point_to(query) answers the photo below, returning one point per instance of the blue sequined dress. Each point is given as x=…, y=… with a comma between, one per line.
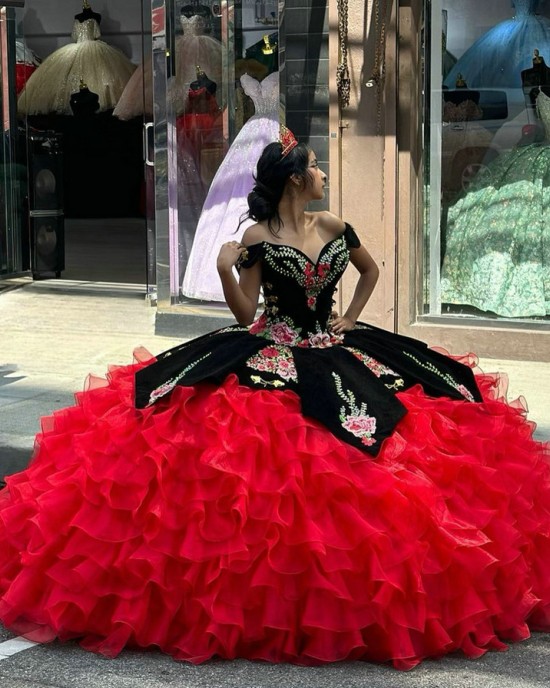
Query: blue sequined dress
x=497, y=59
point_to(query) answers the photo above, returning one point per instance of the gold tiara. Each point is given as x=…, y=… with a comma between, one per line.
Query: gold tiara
x=287, y=140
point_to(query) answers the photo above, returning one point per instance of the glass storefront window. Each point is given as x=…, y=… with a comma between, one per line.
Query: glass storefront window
x=487, y=160
x=221, y=89
x=235, y=70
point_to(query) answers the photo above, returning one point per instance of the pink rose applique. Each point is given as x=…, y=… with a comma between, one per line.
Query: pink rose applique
x=283, y=334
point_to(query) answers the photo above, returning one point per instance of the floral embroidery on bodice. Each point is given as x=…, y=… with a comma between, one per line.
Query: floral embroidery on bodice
x=298, y=293
x=348, y=382
x=87, y=30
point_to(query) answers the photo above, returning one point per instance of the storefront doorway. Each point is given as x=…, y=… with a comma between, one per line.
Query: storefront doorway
x=85, y=212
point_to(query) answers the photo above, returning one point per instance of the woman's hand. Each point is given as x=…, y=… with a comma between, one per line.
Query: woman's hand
x=229, y=255
x=341, y=323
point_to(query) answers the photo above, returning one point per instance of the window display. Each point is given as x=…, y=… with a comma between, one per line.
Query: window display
x=226, y=201
x=215, y=133
x=497, y=254
x=487, y=154
x=497, y=58
x=264, y=71
x=105, y=69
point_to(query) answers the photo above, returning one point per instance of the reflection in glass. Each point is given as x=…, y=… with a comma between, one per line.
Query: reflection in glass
x=487, y=238
x=230, y=114
x=226, y=201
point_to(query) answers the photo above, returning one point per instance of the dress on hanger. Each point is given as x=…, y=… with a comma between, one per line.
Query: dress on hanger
x=102, y=67
x=497, y=58
x=227, y=197
x=497, y=255
x=277, y=492
x=193, y=48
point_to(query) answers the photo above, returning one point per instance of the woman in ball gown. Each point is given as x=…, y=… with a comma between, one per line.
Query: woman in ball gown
x=105, y=69
x=497, y=58
x=497, y=255
x=226, y=200
x=302, y=487
x=194, y=47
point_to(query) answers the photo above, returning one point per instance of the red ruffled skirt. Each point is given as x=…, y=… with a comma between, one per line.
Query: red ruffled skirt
x=221, y=522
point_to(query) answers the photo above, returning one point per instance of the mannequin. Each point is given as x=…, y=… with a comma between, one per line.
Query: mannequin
x=202, y=111
x=200, y=125
x=194, y=9
x=538, y=74
x=87, y=13
x=244, y=106
x=84, y=102
x=200, y=142
x=202, y=81
x=193, y=47
x=227, y=196
x=104, y=68
x=266, y=51
x=495, y=60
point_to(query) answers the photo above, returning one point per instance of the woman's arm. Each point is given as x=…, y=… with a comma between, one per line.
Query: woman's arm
x=242, y=296
x=368, y=276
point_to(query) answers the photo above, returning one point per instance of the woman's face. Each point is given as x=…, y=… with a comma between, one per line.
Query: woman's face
x=317, y=178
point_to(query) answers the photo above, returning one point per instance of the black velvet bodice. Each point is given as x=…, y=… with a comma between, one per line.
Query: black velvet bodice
x=349, y=382
x=297, y=291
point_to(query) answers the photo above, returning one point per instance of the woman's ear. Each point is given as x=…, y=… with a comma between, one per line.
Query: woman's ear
x=295, y=179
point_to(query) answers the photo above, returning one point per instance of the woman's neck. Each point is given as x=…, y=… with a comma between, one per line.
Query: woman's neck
x=292, y=213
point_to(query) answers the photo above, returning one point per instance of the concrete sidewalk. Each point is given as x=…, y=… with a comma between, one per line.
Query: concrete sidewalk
x=54, y=333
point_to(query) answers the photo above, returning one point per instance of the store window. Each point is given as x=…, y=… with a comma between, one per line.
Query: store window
x=487, y=160
x=236, y=71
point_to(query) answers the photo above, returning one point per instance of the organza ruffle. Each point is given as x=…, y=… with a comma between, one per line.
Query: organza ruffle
x=221, y=522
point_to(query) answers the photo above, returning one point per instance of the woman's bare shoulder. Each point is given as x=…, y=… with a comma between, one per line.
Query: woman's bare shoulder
x=254, y=234
x=328, y=222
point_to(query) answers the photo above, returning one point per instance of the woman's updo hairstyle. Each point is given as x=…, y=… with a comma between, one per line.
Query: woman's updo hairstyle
x=272, y=174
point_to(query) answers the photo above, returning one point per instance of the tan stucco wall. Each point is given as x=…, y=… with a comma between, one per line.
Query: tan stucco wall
x=363, y=194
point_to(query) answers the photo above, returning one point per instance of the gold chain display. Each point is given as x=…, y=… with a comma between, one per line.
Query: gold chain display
x=379, y=67
x=343, y=82
x=378, y=77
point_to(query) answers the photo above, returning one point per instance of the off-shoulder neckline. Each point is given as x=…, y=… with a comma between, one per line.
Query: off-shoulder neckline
x=294, y=248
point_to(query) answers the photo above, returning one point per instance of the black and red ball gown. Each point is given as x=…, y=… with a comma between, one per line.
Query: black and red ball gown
x=277, y=492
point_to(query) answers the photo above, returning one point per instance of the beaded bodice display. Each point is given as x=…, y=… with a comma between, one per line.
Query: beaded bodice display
x=194, y=26
x=264, y=94
x=87, y=30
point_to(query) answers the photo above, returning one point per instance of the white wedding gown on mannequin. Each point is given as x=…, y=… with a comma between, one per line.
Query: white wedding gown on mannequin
x=227, y=197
